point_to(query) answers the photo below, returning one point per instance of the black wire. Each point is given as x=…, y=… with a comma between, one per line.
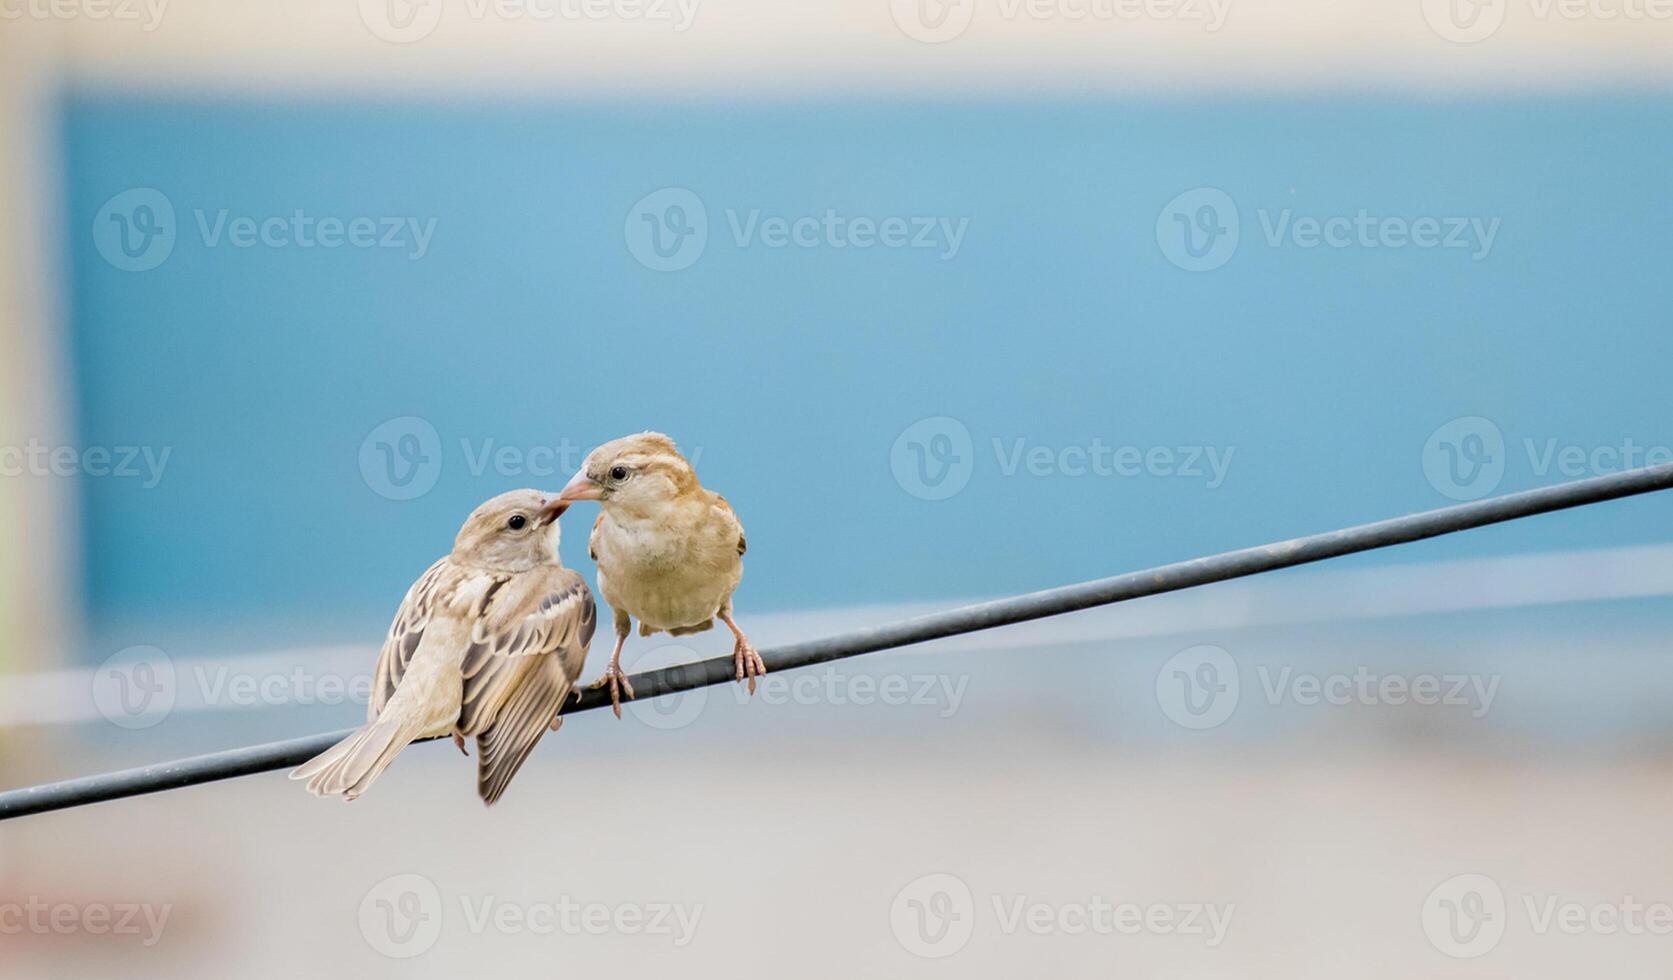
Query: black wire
x=968, y=619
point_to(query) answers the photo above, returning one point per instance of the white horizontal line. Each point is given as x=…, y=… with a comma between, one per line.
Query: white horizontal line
x=1305, y=596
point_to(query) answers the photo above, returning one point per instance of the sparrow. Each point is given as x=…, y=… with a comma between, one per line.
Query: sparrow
x=669, y=552
x=488, y=643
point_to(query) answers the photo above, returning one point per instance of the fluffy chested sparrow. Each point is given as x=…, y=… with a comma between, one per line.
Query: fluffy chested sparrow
x=488, y=643
x=669, y=552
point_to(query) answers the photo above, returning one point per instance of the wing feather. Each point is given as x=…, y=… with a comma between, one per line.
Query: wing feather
x=529, y=714
x=407, y=632
x=731, y=518
x=561, y=621
x=517, y=681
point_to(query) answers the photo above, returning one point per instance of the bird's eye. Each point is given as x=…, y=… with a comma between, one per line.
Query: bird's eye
x=517, y=522
x=618, y=473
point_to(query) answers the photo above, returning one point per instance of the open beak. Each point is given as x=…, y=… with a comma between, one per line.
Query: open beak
x=580, y=487
x=553, y=510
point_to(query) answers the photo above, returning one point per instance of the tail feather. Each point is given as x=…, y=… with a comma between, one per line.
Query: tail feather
x=349, y=767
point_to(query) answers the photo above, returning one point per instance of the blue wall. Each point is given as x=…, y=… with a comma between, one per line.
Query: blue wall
x=530, y=322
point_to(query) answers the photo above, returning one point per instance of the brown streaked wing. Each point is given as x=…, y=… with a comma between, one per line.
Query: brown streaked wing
x=559, y=622
x=406, y=633
x=532, y=709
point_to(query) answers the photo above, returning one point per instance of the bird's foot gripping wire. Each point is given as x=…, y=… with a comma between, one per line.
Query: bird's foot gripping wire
x=616, y=680
x=747, y=663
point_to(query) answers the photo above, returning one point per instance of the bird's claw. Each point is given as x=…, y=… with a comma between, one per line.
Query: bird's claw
x=615, y=679
x=747, y=663
x=459, y=740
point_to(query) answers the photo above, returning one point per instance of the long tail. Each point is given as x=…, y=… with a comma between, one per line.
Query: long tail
x=348, y=767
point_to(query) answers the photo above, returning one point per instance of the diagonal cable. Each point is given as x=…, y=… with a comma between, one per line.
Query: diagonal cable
x=966, y=619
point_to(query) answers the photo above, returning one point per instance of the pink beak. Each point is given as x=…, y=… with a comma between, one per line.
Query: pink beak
x=553, y=510
x=580, y=487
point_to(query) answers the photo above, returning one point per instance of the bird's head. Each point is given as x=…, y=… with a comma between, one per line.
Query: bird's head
x=513, y=532
x=635, y=474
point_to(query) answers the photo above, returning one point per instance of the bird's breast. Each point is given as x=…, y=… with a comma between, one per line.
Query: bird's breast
x=664, y=580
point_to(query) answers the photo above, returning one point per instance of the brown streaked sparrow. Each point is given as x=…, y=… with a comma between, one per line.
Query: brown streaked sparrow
x=487, y=643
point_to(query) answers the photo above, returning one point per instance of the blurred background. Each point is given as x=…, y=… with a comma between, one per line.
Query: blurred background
x=952, y=299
